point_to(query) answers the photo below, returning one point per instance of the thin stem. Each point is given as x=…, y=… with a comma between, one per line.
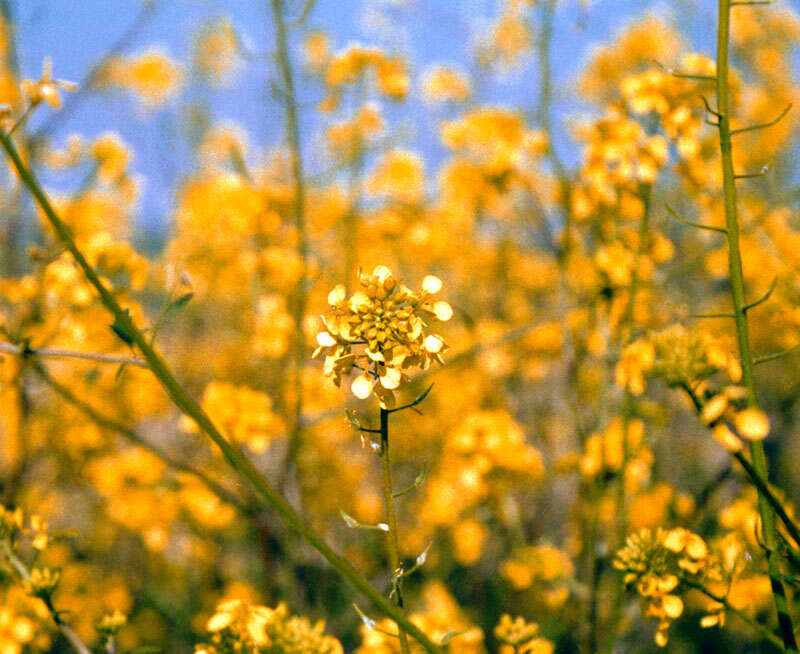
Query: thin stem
x=391, y=520
x=299, y=210
x=189, y=406
x=24, y=351
x=729, y=608
x=130, y=434
x=740, y=315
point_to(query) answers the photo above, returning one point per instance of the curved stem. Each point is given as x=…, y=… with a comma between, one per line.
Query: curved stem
x=190, y=407
x=391, y=520
x=740, y=316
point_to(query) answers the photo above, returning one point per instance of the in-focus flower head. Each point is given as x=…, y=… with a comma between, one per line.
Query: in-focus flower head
x=381, y=330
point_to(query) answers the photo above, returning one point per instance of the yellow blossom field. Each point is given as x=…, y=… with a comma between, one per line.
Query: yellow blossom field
x=352, y=350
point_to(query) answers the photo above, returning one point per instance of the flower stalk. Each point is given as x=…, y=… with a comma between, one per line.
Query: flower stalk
x=190, y=407
x=766, y=511
x=391, y=519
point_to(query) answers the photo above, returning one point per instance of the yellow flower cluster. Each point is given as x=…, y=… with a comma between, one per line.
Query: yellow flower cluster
x=482, y=457
x=724, y=411
x=216, y=52
x=656, y=562
x=619, y=156
x=242, y=413
x=606, y=451
x=348, y=139
x=445, y=84
x=545, y=566
x=494, y=138
x=399, y=176
x=517, y=636
x=240, y=628
x=355, y=64
x=152, y=75
x=381, y=331
x=681, y=356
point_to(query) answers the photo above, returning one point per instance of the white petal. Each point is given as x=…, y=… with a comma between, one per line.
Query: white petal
x=433, y=344
x=336, y=296
x=431, y=284
x=362, y=386
x=391, y=378
x=381, y=272
x=443, y=311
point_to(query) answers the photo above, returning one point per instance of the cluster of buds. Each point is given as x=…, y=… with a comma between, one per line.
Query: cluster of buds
x=42, y=582
x=656, y=562
x=239, y=627
x=381, y=331
x=730, y=423
x=517, y=635
x=110, y=624
x=683, y=357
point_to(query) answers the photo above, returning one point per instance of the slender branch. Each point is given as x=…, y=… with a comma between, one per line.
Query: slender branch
x=43, y=352
x=674, y=73
x=680, y=218
x=130, y=434
x=776, y=355
x=189, y=406
x=299, y=210
x=391, y=519
x=711, y=315
x=751, y=128
x=757, y=453
x=763, y=298
x=729, y=608
x=413, y=403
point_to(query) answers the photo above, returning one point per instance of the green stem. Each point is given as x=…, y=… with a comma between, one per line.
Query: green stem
x=189, y=406
x=737, y=292
x=130, y=434
x=391, y=519
x=762, y=631
x=299, y=209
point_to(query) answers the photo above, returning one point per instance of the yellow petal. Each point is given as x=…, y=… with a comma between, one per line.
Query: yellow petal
x=714, y=409
x=324, y=339
x=673, y=606
x=391, y=378
x=752, y=423
x=727, y=438
x=336, y=296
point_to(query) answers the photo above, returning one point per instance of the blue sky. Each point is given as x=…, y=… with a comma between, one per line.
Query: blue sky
x=76, y=33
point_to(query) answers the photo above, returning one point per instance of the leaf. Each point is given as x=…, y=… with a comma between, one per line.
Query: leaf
x=121, y=330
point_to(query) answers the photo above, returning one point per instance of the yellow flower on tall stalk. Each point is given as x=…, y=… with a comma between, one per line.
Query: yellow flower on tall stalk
x=382, y=330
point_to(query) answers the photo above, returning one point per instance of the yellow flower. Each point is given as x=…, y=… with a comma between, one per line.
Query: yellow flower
x=380, y=330
x=752, y=424
x=46, y=89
